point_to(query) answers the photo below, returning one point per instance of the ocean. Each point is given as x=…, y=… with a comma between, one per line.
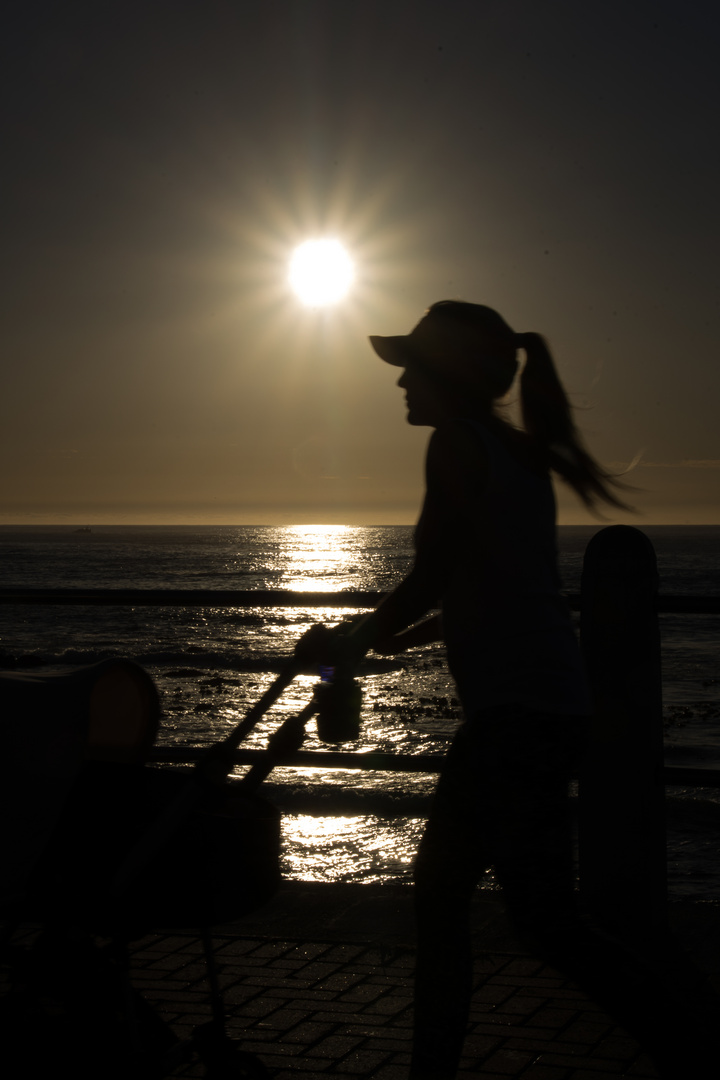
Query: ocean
x=211, y=664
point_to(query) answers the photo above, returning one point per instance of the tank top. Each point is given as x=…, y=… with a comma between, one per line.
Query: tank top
x=507, y=628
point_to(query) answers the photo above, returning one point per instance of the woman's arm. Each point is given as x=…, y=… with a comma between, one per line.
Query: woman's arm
x=422, y=590
x=417, y=594
x=426, y=632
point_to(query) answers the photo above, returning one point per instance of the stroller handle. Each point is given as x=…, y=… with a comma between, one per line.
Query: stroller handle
x=212, y=771
x=258, y=710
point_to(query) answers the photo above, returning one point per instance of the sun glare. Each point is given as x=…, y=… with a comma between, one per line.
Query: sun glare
x=321, y=272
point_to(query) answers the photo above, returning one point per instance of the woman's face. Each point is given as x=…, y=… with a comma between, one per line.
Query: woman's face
x=432, y=400
x=422, y=397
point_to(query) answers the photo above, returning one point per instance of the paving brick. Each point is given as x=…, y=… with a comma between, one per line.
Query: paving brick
x=406, y=1015
x=271, y=949
x=236, y=946
x=553, y=1018
x=377, y=1030
x=547, y=1043
x=309, y=1032
x=283, y=1019
x=497, y=1016
x=480, y=1046
x=335, y=1046
x=345, y=1012
x=537, y=1071
x=167, y=943
x=296, y=990
x=175, y=997
x=253, y=1006
x=587, y=1031
x=375, y=957
x=340, y=981
x=284, y=1074
x=193, y=972
x=527, y=1033
x=165, y=963
x=309, y=950
x=344, y=954
x=523, y=967
x=508, y=1062
x=360, y=1061
x=262, y=1047
x=487, y=965
x=472, y=1075
x=390, y=978
x=316, y=970
x=276, y=979
x=492, y=994
x=389, y=1046
x=614, y=1067
x=391, y=1072
x=363, y=992
x=593, y=1074
x=307, y=1065
x=287, y=966
x=523, y=1003
x=390, y=1004
x=573, y=996
x=232, y=968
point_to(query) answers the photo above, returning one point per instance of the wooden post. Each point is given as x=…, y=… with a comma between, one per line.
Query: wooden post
x=623, y=872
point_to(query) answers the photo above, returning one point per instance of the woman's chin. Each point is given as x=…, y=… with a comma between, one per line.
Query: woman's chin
x=418, y=418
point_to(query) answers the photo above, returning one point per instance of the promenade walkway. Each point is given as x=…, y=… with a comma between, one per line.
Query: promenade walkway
x=319, y=984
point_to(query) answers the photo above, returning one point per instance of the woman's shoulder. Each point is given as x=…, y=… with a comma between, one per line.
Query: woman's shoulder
x=477, y=443
x=482, y=437
x=458, y=461
x=463, y=432
x=457, y=441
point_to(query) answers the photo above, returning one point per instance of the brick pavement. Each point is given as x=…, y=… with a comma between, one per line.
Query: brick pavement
x=338, y=1009
x=319, y=983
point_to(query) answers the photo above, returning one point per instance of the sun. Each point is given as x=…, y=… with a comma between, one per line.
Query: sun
x=321, y=272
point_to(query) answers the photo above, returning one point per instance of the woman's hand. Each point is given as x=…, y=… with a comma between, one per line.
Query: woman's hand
x=317, y=646
x=332, y=646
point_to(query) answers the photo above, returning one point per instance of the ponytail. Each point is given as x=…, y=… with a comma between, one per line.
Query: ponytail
x=548, y=420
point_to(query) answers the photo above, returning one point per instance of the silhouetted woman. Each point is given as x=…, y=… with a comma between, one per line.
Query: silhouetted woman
x=486, y=556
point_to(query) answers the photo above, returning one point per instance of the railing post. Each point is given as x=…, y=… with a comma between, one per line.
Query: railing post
x=622, y=843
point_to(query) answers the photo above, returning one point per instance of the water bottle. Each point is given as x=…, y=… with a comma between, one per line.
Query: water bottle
x=339, y=700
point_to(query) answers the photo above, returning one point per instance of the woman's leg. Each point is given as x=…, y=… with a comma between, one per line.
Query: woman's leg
x=487, y=811
x=533, y=756
x=449, y=864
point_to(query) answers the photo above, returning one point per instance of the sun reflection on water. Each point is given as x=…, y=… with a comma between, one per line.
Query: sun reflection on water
x=318, y=557
x=370, y=849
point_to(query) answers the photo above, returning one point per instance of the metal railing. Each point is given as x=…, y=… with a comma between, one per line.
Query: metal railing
x=267, y=598
x=621, y=787
x=276, y=598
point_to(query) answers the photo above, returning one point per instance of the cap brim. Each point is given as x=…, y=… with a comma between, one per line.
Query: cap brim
x=393, y=350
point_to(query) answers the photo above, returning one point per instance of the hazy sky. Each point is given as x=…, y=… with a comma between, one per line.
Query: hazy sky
x=557, y=160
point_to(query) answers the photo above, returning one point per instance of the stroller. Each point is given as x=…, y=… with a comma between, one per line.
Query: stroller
x=105, y=848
